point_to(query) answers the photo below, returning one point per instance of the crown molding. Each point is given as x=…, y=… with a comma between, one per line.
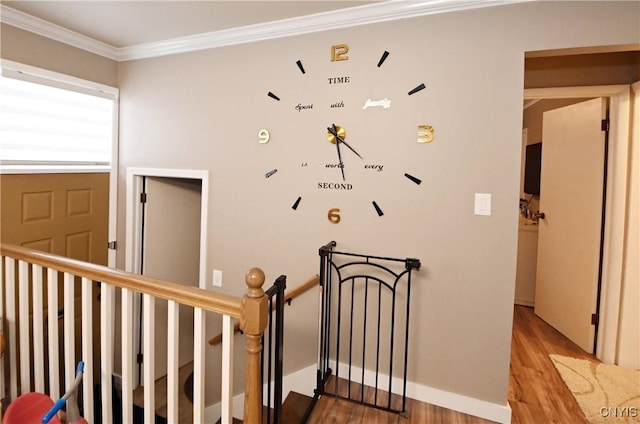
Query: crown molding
x=343, y=18
x=55, y=32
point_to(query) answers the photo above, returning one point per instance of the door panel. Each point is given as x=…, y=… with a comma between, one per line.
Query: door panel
x=571, y=194
x=172, y=252
x=63, y=214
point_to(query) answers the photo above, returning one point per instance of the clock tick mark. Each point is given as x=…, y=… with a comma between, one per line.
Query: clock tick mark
x=299, y=63
x=273, y=96
x=414, y=179
x=378, y=210
x=383, y=58
x=270, y=173
x=297, y=202
x=418, y=88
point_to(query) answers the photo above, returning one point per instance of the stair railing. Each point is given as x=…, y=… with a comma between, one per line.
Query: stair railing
x=26, y=274
x=288, y=298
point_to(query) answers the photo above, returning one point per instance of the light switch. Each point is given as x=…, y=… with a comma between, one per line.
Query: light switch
x=217, y=278
x=482, y=204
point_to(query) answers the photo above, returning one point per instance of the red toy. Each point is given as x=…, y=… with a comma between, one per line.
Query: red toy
x=36, y=408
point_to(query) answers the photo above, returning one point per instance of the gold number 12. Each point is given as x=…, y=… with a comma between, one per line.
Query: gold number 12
x=339, y=52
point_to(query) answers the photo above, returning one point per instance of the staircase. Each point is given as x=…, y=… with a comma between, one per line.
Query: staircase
x=185, y=396
x=356, y=275
x=293, y=410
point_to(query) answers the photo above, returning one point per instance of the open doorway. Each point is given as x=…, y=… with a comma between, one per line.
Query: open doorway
x=170, y=250
x=166, y=239
x=555, y=71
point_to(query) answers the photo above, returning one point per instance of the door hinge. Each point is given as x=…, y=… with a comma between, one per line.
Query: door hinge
x=139, y=358
x=143, y=197
x=112, y=245
x=604, y=125
x=595, y=319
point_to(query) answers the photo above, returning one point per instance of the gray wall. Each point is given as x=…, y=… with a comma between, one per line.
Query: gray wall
x=202, y=110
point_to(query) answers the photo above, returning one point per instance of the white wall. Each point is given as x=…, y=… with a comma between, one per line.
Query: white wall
x=628, y=353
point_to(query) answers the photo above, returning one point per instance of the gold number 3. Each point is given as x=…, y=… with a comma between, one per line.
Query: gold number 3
x=334, y=215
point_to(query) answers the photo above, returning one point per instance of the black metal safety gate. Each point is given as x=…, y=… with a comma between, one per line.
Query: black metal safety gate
x=364, y=328
x=273, y=340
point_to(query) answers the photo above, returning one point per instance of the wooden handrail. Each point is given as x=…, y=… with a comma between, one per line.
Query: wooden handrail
x=251, y=310
x=310, y=283
x=186, y=295
x=313, y=281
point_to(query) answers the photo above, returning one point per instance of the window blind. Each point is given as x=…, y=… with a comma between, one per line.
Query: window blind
x=42, y=124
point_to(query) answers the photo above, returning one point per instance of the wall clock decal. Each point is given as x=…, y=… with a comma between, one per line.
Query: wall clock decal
x=329, y=104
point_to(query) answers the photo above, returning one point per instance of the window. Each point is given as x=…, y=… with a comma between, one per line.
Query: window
x=53, y=120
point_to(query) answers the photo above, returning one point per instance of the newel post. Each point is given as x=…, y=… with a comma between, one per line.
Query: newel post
x=253, y=323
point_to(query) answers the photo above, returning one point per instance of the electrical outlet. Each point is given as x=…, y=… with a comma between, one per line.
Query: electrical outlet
x=217, y=278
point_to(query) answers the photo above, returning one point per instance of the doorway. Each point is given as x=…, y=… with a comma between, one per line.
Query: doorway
x=613, y=231
x=170, y=250
x=166, y=239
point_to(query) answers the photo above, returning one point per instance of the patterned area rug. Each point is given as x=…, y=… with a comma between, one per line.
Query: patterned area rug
x=607, y=394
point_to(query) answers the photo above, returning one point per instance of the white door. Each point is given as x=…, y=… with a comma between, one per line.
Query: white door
x=171, y=251
x=571, y=197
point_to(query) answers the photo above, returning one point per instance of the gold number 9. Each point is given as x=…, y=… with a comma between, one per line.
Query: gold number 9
x=334, y=215
x=263, y=136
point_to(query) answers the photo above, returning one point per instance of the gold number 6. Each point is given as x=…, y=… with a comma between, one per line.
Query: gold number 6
x=334, y=215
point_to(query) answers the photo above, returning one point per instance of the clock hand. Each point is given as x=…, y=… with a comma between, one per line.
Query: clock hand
x=339, y=139
x=341, y=165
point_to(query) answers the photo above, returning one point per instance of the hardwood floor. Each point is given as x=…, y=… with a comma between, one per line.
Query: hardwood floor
x=537, y=394
x=333, y=411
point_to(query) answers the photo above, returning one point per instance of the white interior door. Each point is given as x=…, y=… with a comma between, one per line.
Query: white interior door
x=172, y=252
x=571, y=197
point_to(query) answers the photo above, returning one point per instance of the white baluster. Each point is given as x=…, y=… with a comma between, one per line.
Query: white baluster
x=227, y=370
x=54, y=341
x=11, y=338
x=87, y=348
x=23, y=313
x=198, y=365
x=107, y=309
x=38, y=331
x=69, y=331
x=173, y=342
x=148, y=336
x=127, y=356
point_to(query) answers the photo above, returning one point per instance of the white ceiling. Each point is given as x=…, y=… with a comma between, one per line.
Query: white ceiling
x=136, y=29
x=128, y=23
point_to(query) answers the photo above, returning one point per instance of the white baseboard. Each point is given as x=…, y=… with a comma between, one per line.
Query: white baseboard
x=303, y=381
x=455, y=402
x=524, y=302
